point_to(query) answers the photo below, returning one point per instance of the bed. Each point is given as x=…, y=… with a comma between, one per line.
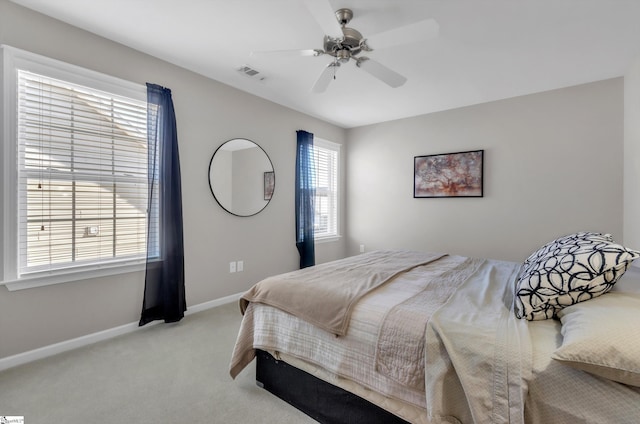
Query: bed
x=424, y=337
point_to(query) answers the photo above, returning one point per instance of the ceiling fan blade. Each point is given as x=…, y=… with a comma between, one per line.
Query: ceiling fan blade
x=282, y=53
x=324, y=14
x=416, y=32
x=381, y=72
x=325, y=77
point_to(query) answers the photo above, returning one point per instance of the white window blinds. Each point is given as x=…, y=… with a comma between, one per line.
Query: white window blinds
x=326, y=157
x=82, y=175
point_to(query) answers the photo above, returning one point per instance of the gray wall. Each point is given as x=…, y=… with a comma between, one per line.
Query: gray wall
x=632, y=156
x=208, y=113
x=553, y=165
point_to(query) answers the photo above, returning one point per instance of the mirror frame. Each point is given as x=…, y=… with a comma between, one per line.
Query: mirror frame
x=211, y=185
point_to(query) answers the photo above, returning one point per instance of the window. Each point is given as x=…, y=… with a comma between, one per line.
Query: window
x=79, y=148
x=327, y=159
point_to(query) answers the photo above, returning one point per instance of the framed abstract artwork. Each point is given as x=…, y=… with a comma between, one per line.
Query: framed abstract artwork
x=448, y=175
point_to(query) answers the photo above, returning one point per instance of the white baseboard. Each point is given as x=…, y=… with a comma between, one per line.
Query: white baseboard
x=54, y=349
x=213, y=303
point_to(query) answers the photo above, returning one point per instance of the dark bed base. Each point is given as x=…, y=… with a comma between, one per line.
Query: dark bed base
x=318, y=399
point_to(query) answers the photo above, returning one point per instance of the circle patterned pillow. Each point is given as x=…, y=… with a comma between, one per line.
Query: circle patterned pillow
x=568, y=270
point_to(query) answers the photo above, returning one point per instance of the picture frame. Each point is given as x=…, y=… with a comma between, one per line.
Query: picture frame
x=457, y=174
x=269, y=184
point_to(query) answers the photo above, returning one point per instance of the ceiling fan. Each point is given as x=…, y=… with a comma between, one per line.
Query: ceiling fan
x=344, y=44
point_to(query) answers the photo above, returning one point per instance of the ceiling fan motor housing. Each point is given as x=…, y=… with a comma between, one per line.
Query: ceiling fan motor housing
x=351, y=43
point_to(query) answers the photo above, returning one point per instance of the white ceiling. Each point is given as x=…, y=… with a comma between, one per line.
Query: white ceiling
x=485, y=50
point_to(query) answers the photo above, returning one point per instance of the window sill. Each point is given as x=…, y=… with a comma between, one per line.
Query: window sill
x=328, y=239
x=50, y=278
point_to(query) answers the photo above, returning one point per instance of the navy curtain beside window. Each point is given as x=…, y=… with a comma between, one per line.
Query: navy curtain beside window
x=305, y=199
x=164, y=294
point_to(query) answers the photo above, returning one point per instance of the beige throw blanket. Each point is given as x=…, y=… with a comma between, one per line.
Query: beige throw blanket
x=324, y=295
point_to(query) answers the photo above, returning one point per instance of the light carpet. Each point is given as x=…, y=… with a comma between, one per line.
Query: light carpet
x=167, y=373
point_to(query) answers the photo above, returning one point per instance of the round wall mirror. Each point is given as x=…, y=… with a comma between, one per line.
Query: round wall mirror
x=241, y=177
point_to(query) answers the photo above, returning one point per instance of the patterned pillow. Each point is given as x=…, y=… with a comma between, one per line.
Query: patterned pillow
x=568, y=270
x=550, y=247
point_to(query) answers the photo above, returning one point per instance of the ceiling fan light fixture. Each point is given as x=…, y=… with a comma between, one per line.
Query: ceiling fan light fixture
x=343, y=55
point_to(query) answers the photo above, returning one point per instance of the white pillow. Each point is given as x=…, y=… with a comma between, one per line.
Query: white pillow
x=569, y=270
x=602, y=337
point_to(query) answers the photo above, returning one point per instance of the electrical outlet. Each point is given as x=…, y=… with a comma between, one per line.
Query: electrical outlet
x=232, y=266
x=240, y=266
x=362, y=248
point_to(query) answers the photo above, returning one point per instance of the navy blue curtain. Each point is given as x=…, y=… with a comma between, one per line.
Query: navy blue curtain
x=164, y=294
x=305, y=199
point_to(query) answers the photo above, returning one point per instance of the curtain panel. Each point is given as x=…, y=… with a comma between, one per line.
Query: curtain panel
x=164, y=291
x=305, y=199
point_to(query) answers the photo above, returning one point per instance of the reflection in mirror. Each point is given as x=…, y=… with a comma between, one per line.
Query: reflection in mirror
x=241, y=177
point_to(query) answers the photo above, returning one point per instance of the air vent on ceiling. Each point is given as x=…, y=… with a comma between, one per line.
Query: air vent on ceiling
x=251, y=73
